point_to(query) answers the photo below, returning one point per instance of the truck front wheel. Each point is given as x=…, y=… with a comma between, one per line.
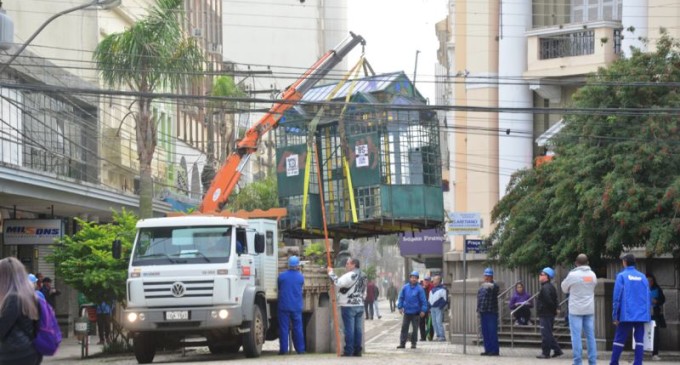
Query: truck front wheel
x=253, y=340
x=144, y=346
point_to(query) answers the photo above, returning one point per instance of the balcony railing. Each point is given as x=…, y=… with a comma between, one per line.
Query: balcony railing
x=567, y=45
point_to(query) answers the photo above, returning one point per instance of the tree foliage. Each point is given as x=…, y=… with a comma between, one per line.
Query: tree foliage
x=261, y=194
x=153, y=53
x=615, y=181
x=84, y=259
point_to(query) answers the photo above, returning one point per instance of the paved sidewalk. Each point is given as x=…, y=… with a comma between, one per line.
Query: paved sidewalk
x=382, y=337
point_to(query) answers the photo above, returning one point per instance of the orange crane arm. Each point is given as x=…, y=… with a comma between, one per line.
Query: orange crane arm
x=228, y=175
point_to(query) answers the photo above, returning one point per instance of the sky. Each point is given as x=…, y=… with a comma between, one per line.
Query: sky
x=394, y=30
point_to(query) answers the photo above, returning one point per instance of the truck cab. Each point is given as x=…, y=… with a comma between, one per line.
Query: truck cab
x=201, y=276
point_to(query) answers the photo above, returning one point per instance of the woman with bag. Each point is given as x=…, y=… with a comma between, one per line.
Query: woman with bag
x=658, y=299
x=18, y=313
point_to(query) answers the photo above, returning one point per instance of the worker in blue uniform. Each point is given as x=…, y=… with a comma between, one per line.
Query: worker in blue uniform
x=290, y=306
x=630, y=309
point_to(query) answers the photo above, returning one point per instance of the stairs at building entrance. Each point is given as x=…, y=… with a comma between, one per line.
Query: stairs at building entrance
x=530, y=335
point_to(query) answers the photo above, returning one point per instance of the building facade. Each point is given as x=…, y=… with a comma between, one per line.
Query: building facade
x=525, y=54
x=68, y=146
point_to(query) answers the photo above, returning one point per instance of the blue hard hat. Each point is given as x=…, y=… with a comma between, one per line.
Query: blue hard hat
x=548, y=271
x=415, y=273
x=488, y=271
x=293, y=261
x=32, y=278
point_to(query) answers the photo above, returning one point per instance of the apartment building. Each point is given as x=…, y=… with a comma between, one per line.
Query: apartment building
x=68, y=150
x=509, y=55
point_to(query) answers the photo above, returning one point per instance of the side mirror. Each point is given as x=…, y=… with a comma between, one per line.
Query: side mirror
x=259, y=243
x=116, y=249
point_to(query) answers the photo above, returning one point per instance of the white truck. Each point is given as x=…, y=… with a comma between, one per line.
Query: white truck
x=187, y=277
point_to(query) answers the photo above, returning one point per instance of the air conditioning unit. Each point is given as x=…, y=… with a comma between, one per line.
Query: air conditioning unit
x=196, y=32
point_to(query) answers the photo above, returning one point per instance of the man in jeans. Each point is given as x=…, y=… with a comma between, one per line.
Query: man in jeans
x=438, y=301
x=580, y=285
x=413, y=305
x=487, y=307
x=351, y=287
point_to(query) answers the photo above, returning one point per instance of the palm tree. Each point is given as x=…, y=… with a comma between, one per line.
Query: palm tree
x=154, y=53
x=223, y=87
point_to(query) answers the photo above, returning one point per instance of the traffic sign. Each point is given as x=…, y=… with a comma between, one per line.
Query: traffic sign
x=474, y=246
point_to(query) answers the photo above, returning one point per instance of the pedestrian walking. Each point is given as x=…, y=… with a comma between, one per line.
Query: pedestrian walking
x=580, y=285
x=546, y=309
x=439, y=299
x=104, y=311
x=658, y=300
x=369, y=299
x=487, y=307
x=18, y=315
x=412, y=305
x=392, y=296
x=50, y=292
x=375, y=303
x=290, y=305
x=521, y=304
x=351, y=286
x=630, y=309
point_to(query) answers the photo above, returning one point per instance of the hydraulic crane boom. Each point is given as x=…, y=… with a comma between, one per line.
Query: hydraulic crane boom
x=228, y=175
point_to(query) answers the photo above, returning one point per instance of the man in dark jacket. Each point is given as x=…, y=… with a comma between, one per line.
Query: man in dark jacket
x=487, y=307
x=290, y=285
x=392, y=296
x=546, y=309
x=50, y=292
x=371, y=296
x=413, y=305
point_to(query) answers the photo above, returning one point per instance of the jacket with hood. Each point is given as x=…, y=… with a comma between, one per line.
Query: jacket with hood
x=412, y=299
x=580, y=285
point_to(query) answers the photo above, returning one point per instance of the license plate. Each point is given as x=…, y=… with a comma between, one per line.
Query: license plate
x=176, y=315
x=81, y=326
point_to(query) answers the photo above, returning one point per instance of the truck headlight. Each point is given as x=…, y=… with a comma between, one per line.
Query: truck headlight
x=132, y=317
x=222, y=314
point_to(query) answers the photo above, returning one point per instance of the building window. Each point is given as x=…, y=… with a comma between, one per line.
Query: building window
x=583, y=11
x=617, y=40
x=567, y=45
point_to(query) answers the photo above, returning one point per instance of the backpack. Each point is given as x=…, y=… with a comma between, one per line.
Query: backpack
x=47, y=334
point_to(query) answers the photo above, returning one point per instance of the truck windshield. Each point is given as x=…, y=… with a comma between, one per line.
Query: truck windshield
x=182, y=245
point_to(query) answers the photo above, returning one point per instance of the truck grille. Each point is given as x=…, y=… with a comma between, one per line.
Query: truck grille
x=178, y=289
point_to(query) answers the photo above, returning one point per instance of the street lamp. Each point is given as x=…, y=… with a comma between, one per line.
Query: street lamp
x=102, y=4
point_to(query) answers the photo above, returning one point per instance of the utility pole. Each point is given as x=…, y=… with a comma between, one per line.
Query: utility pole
x=415, y=72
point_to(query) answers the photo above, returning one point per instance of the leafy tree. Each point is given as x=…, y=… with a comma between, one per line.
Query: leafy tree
x=84, y=260
x=153, y=53
x=316, y=252
x=371, y=272
x=261, y=194
x=615, y=180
